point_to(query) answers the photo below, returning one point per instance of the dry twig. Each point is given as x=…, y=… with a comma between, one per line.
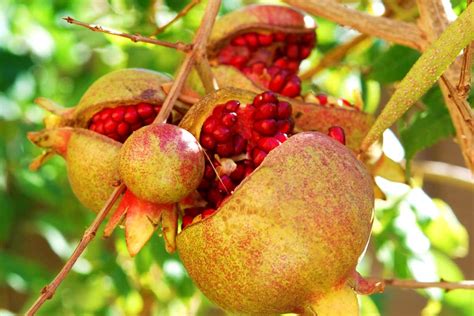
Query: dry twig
x=48, y=291
x=180, y=14
x=198, y=52
x=412, y=284
x=399, y=32
x=464, y=84
x=133, y=37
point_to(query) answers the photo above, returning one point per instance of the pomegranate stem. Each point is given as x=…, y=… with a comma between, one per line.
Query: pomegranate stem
x=48, y=291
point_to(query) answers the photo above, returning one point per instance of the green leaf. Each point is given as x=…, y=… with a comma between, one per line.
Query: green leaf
x=428, y=127
x=394, y=64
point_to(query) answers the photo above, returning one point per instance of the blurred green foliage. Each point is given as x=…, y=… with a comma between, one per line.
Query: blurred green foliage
x=41, y=220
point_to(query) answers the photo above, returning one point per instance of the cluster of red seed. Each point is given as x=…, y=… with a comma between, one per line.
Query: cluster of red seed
x=272, y=59
x=120, y=122
x=245, y=134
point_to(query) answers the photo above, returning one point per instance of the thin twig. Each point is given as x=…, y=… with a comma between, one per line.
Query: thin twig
x=372, y=285
x=399, y=32
x=180, y=14
x=133, y=37
x=334, y=56
x=198, y=52
x=412, y=284
x=48, y=291
x=464, y=84
x=462, y=105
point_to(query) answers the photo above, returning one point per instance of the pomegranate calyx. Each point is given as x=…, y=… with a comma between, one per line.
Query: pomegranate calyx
x=141, y=218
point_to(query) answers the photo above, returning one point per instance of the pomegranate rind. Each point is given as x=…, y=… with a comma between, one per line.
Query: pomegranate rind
x=92, y=167
x=121, y=87
x=199, y=112
x=313, y=117
x=161, y=163
x=291, y=233
x=92, y=161
x=258, y=18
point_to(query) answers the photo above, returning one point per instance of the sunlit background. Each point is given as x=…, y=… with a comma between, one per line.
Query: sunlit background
x=416, y=235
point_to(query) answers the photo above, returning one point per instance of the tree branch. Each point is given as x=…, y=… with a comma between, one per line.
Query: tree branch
x=198, y=52
x=433, y=21
x=464, y=84
x=412, y=284
x=133, y=37
x=424, y=73
x=48, y=291
x=180, y=14
x=403, y=33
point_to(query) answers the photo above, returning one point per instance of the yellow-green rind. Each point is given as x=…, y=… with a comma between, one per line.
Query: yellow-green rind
x=226, y=77
x=341, y=301
x=257, y=17
x=313, y=117
x=200, y=111
x=92, y=167
x=161, y=163
x=290, y=233
x=122, y=87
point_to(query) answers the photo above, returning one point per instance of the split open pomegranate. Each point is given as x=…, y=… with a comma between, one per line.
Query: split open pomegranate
x=266, y=43
x=284, y=217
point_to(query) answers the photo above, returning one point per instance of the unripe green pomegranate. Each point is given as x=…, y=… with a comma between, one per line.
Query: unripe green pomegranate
x=161, y=163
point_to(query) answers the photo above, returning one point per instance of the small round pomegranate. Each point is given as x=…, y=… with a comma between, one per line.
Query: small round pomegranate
x=161, y=163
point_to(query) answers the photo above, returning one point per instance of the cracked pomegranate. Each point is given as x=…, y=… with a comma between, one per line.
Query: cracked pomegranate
x=289, y=237
x=114, y=106
x=88, y=136
x=266, y=43
x=237, y=136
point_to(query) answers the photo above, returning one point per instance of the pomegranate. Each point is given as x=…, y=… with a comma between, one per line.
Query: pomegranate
x=238, y=130
x=92, y=161
x=266, y=44
x=89, y=137
x=286, y=236
x=261, y=47
x=161, y=163
x=114, y=106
